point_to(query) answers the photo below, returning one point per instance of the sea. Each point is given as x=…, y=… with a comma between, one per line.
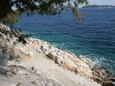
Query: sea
x=93, y=36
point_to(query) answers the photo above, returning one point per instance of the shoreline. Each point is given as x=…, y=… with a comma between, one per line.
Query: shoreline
x=97, y=62
x=31, y=51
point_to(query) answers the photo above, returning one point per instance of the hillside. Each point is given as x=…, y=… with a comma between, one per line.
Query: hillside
x=26, y=61
x=98, y=6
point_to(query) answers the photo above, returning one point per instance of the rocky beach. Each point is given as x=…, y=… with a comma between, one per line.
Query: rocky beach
x=27, y=61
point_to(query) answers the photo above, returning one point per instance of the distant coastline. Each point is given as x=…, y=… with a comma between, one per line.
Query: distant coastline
x=98, y=6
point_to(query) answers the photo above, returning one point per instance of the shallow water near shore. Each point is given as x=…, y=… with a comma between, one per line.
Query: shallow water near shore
x=93, y=37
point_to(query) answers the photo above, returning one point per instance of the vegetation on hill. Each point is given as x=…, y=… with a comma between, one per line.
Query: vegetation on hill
x=98, y=6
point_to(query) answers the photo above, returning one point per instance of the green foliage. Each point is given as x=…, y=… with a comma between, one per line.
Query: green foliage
x=9, y=9
x=82, y=1
x=22, y=38
x=76, y=13
x=10, y=18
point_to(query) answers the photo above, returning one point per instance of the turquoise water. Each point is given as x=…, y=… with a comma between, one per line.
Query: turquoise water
x=93, y=37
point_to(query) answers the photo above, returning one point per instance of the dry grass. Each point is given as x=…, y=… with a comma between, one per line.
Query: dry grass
x=34, y=82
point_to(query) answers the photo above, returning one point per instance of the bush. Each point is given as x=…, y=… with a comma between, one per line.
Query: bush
x=22, y=38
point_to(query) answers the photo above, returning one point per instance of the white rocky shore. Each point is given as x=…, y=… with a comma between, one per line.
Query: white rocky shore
x=38, y=63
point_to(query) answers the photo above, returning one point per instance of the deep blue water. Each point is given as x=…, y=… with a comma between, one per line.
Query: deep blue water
x=93, y=37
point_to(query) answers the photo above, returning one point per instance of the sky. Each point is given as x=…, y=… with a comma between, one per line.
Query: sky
x=102, y=2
